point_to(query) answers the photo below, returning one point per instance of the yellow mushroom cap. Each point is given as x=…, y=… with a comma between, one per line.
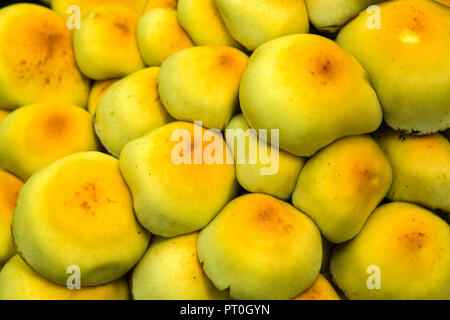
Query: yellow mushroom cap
x=37, y=62
x=253, y=22
x=421, y=168
x=129, y=109
x=170, y=270
x=307, y=87
x=403, y=252
x=97, y=91
x=160, y=35
x=406, y=57
x=19, y=282
x=331, y=15
x=261, y=248
x=342, y=184
x=106, y=46
x=34, y=136
x=203, y=23
x=274, y=172
x=179, y=177
x=202, y=84
x=78, y=211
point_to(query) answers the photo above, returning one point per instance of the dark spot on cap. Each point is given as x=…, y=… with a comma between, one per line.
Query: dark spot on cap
x=122, y=25
x=55, y=125
x=413, y=240
x=267, y=215
x=51, y=42
x=226, y=61
x=323, y=68
x=85, y=205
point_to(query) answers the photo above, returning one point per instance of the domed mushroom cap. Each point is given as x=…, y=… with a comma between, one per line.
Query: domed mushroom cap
x=253, y=22
x=19, y=282
x=406, y=57
x=421, y=168
x=159, y=35
x=342, y=184
x=129, y=109
x=261, y=167
x=78, y=211
x=403, y=252
x=34, y=136
x=261, y=248
x=106, y=29
x=98, y=89
x=170, y=270
x=332, y=15
x=37, y=62
x=181, y=175
x=307, y=87
x=202, y=84
x=203, y=23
